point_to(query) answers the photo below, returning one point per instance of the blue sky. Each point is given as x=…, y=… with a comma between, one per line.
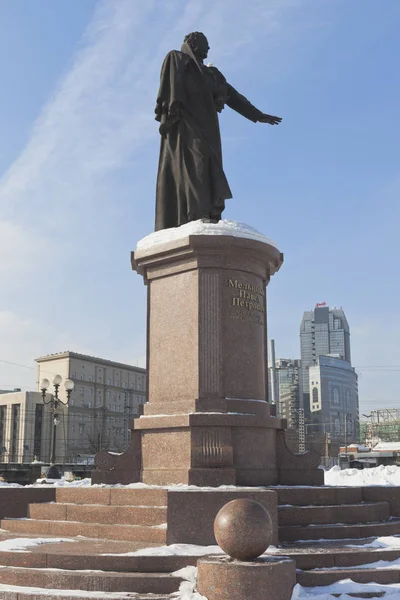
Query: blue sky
x=79, y=152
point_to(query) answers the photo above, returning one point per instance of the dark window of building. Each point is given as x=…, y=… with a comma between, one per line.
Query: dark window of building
x=15, y=418
x=315, y=395
x=37, y=435
x=335, y=396
x=3, y=413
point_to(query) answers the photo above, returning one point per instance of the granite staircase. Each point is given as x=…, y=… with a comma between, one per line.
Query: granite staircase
x=324, y=529
x=103, y=527
x=328, y=531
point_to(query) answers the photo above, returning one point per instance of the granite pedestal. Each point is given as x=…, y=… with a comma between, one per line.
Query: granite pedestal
x=221, y=578
x=207, y=421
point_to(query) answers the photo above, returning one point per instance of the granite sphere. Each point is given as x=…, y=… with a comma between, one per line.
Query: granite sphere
x=243, y=529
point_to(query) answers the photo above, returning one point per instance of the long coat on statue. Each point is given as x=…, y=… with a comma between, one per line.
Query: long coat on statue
x=191, y=182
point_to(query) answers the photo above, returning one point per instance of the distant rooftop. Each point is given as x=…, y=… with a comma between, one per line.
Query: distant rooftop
x=332, y=360
x=70, y=354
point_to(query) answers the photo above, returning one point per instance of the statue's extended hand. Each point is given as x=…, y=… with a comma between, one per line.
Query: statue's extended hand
x=269, y=119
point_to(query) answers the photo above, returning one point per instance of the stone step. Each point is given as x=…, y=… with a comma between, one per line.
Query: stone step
x=100, y=513
x=323, y=556
x=320, y=496
x=292, y=533
x=102, y=562
x=152, y=534
x=19, y=593
x=142, y=583
x=328, y=576
x=114, y=496
x=343, y=513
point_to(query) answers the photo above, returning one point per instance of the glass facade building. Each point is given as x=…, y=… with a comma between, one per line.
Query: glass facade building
x=287, y=378
x=323, y=331
x=333, y=388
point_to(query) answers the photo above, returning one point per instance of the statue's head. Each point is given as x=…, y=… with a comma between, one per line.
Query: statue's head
x=198, y=43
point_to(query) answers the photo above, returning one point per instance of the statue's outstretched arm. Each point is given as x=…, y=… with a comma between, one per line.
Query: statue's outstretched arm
x=245, y=108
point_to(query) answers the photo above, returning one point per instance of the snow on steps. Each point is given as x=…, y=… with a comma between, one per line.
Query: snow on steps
x=99, y=581
x=16, y=592
x=135, y=533
x=339, y=531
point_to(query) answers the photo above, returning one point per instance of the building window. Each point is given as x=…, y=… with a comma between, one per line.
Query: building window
x=37, y=439
x=90, y=377
x=108, y=395
x=15, y=416
x=90, y=404
x=73, y=375
x=82, y=391
x=81, y=429
x=315, y=395
x=108, y=381
x=335, y=396
x=90, y=390
x=348, y=397
x=82, y=377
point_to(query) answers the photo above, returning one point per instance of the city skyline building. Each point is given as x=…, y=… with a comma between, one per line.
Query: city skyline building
x=285, y=378
x=323, y=331
x=334, y=406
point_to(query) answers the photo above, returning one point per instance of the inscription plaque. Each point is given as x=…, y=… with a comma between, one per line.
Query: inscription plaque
x=247, y=302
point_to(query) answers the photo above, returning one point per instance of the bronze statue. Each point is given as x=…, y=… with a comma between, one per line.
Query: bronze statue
x=191, y=182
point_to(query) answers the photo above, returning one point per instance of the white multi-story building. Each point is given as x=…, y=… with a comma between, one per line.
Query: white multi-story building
x=106, y=396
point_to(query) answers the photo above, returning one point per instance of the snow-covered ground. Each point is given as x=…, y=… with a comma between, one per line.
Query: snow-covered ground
x=389, y=475
x=344, y=588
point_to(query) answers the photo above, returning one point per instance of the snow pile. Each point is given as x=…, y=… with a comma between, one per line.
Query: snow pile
x=5, y=484
x=37, y=592
x=386, y=541
x=174, y=550
x=232, y=228
x=382, y=475
x=344, y=588
x=187, y=589
x=63, y=482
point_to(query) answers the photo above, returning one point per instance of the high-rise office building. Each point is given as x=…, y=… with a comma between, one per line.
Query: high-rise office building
x=329, y=390
x=323, y=331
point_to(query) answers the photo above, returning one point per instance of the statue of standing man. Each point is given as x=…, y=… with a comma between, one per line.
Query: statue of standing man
x=191, y=183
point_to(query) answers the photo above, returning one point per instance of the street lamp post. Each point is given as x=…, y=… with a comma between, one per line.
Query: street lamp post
x=54, y=403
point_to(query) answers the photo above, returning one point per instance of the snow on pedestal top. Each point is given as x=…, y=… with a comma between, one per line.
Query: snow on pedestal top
x=232, y=228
